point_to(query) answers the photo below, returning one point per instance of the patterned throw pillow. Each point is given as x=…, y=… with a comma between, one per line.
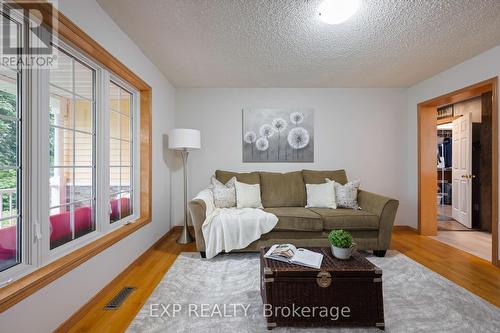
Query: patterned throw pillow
x=346, y=195
x=224, y=195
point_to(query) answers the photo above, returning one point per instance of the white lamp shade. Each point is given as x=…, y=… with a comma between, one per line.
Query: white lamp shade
x=183, y=138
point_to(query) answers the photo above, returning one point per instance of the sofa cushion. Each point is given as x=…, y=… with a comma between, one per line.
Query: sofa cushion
x=296, y=219
x=282, y=189
x=247, y=178
x=347, y=219
x=318, y=177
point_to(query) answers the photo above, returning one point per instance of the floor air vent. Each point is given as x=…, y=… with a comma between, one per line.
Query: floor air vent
x=119, y=298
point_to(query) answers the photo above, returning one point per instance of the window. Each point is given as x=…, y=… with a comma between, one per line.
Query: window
x=40, y=133
x=120, y=152
x=71, y=150
x=10, y=162
x=10, y=166
x=77, y=134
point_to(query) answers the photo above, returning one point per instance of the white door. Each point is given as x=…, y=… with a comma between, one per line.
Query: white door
x=461, y=199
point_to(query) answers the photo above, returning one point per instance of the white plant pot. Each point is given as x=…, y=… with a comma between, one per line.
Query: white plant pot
x=343, y=253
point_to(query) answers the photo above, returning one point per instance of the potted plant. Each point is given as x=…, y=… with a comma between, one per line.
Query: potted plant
x=342, y=245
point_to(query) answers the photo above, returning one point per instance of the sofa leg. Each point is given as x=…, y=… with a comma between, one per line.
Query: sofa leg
x=379, y=253
x=203, y=254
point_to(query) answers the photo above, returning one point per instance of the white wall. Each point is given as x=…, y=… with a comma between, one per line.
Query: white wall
x=48, y=308
x=479, y=68
x=360, y=130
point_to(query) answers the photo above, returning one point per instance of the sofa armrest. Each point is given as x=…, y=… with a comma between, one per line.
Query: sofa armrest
x=198, y=208
x=385, y=208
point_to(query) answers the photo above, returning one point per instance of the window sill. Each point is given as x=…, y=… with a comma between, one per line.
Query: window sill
x=36, y=280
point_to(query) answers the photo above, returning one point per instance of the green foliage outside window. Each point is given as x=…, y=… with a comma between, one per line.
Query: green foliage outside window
x=8, y=143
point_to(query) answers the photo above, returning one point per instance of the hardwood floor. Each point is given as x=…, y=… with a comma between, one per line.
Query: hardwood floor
x=451, y=225
x=472, y=273
x=144, y=274
x=477, y=243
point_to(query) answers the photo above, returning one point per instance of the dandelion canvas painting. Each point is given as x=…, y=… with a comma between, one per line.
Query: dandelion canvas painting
x=278, y=135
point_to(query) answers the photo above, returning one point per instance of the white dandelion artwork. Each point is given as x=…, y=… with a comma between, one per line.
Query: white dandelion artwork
x=296, y=117
x=298, y=139
x=250, y=138
x=278, y=135
x=266, y=131
x=279, y=125
x=262, y=144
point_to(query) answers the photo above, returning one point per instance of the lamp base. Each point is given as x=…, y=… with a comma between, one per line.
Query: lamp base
x=185, y=237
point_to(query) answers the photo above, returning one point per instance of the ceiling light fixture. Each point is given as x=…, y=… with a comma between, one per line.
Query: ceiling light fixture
x=337, y=11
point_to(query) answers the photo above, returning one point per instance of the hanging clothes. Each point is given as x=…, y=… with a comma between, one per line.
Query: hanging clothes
x=447, y=152
x=440, y=157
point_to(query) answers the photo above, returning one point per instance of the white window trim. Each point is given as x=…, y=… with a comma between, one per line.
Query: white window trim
x=49, y=255
x=35, y=96
x=135, y=188
x=27, y=250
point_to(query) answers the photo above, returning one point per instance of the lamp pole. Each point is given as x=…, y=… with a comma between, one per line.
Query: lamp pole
x=185, y=237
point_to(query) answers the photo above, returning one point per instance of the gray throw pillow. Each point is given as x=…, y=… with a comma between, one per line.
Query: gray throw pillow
x=224, y=195
x=346, y=195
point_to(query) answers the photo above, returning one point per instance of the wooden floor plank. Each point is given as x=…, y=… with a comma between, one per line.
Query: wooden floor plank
x=477, y=243
x=471, y=272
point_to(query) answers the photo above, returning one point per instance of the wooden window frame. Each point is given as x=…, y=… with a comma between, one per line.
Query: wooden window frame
x=67, y=30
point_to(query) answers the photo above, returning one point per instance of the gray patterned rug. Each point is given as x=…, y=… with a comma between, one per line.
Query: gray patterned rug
x=191, y=298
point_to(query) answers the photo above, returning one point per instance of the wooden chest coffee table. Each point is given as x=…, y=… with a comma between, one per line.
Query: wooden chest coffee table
x=341, y=293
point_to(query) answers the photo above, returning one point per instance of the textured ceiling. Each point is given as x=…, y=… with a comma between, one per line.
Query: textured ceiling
x=281, y=43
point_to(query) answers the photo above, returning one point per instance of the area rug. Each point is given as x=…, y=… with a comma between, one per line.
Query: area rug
x=222, y=295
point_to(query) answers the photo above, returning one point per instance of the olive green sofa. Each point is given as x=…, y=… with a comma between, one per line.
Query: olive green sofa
x=284, y=194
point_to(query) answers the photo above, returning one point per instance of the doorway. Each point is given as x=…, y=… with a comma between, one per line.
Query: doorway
x=464, y=175
x=457, y=169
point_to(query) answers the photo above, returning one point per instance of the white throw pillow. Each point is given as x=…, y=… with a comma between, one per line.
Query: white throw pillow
x=346, y=195
x=321, y=195
x=248, y=196
x=224, y=195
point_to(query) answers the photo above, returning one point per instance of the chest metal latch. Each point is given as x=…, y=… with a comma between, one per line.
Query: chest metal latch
x=324, y=279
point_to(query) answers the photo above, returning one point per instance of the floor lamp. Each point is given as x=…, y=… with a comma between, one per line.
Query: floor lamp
x=184, y=140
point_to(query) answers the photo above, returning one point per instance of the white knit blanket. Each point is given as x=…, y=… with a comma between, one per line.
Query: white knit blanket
x=227, y=229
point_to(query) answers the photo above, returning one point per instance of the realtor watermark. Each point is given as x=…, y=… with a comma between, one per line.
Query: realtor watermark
x=203, y=310
x=206, y=310
x=27, y=34
x=332, y=312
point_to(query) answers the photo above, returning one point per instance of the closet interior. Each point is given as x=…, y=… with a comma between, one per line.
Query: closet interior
x=463, y=195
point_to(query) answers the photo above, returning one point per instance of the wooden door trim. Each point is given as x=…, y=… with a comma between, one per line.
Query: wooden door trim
x=427, y=170
x=427, y=214
x=494, y=175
